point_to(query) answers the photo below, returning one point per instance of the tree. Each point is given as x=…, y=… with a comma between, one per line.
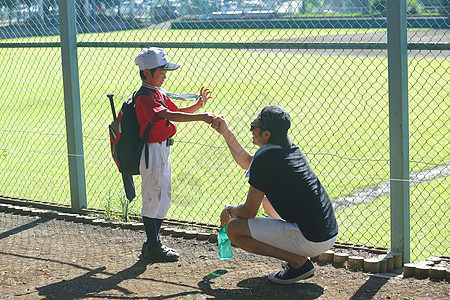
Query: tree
x=378, y=7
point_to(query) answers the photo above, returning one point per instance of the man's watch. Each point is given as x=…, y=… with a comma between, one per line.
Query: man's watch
x=228, y=212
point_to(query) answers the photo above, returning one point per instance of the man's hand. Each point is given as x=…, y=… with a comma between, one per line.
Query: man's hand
x=224, y=217
x=220, y=124
x=205, y=95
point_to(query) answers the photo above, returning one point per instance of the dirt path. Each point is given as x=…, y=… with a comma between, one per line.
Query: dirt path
x=372, y=193
x=433, y=36
x=45, y=258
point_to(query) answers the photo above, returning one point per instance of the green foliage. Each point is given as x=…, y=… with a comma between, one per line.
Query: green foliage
x=4, y=154
x=378, y=7
x=414, y=7
x=124, y=208
x=108, y=208
x=311, y=4
x=116, y=207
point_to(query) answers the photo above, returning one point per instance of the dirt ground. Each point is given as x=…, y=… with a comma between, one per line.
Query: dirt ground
x=48, y=258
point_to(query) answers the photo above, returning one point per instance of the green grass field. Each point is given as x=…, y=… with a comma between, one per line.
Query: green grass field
x=339, y=107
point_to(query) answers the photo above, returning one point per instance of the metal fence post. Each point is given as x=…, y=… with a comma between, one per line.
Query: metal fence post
x=72, y=104
x=398, y=126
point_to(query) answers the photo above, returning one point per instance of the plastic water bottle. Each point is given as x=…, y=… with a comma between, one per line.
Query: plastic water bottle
x=225, y=251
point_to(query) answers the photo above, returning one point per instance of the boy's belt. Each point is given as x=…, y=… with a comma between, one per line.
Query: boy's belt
x=169, y=142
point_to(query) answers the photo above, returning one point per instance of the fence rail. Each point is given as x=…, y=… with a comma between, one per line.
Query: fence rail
x=259, y=45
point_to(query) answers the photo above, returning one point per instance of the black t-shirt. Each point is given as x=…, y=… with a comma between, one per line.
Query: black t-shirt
x=294, y=191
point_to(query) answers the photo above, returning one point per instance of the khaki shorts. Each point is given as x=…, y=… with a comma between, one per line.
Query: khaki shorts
x=287, y=236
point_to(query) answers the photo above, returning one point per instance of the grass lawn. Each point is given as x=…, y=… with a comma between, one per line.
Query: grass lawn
x=339, y=107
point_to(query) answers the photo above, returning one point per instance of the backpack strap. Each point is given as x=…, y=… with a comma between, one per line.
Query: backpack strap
x=149, y=126
x=144, y=140
x=145, y=91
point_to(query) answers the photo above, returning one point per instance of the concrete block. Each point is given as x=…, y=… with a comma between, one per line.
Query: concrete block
x=435, y=259
x=327, y=256
x=398, y=259
x=372, y=265
x=190, y=234
x=203, y=236
x=437, y=273
x=339, y=259
x=355, y=263
x=383, y=265
x=422, y=271
x=409, y=270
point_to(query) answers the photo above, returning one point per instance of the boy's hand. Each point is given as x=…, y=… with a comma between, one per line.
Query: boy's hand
x=208, y=117
x=205, y=95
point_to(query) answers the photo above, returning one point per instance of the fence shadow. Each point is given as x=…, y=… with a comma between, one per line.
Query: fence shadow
x=23, y=227
x=369, y=288
x=87, y=284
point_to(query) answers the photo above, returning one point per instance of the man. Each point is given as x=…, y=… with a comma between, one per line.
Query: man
x=301, y=221
x=153, y=105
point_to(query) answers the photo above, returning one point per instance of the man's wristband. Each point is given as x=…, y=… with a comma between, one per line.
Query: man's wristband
x=228, y=212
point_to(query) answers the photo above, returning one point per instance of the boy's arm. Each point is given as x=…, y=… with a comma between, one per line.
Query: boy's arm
x=242, y=157
x=177, y=116
x=191, y=109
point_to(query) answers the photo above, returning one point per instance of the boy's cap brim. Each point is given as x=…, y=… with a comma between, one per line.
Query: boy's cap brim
x=169, y=67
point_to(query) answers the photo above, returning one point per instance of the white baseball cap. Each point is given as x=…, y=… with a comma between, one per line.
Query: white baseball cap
x=153, y=57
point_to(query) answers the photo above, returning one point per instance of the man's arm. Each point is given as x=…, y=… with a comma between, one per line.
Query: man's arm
x=242, y=157
x=247, y=210
x=268, y=208
x=177, y=116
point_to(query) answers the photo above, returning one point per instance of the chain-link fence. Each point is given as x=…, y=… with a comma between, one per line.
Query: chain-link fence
x=325, y=62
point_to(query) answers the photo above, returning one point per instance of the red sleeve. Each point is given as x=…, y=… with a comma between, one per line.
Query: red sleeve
x=146, y=111
x=171, y=105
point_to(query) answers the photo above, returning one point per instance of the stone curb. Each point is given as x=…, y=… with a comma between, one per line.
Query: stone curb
x=429, y=268
x=379, y=264
x=165, y=230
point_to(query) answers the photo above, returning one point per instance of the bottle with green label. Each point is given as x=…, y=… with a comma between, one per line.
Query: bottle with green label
x=225, y=251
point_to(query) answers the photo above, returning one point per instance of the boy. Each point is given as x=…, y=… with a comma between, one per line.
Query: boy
x=154, y=106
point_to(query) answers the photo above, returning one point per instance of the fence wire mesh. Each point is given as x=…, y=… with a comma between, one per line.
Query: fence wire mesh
x=325, y=62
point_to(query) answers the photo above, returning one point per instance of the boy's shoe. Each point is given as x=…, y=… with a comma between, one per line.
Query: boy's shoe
x=169, y=249
x=144, y=248
x=159, y=253
x=290, y=275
